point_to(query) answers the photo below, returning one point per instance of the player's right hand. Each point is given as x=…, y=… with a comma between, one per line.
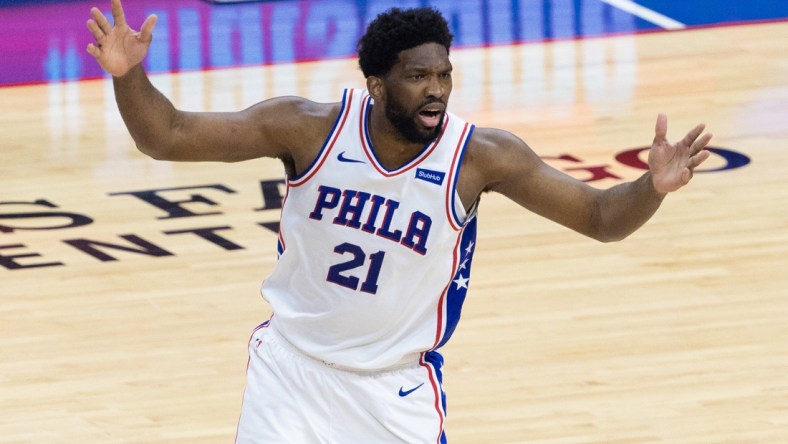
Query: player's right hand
x=118, y=48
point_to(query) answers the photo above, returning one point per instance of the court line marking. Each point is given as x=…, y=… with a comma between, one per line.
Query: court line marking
x=646, y=14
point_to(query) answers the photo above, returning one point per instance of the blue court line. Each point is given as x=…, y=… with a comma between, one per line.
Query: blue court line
x=646, y=14
x=716, y=12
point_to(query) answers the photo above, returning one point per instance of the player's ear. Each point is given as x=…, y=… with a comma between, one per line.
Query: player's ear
x=376, y=88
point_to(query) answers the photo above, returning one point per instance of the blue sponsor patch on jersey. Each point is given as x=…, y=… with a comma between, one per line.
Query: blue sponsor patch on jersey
x=435, y=177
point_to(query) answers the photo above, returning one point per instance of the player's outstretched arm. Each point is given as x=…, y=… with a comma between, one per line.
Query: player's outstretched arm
x=510, y=167
x=268, y=129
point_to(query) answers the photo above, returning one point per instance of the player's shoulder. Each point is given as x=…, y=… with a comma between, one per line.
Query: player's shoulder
x=492, y=139
x=493, y=154
x=299, y=109
x=493, y=143
x=290, y=120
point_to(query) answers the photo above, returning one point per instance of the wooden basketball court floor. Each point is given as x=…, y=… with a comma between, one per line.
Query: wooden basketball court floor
x=679, y=334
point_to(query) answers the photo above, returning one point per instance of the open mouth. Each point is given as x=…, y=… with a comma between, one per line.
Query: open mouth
x=430, y=116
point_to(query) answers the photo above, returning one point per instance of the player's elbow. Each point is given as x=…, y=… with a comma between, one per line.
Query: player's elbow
x=161, y=145
x=156, y=151
x=610, y=237
x=614, y=231
x=607, y=231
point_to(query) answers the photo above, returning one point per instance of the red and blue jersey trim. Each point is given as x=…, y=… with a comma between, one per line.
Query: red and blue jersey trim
x=432, y=361
x=322, y=155
x=453, y=296
x=366, y=143
x=454, y=173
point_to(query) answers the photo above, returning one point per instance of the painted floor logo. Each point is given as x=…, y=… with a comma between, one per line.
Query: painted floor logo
x=731, y=159
x=722, y=159
x=19, y=217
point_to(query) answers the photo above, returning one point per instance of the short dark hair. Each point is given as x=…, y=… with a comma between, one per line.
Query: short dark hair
x=397, y=30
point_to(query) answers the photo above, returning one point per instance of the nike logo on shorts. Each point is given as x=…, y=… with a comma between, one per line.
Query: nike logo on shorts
x=404, y=393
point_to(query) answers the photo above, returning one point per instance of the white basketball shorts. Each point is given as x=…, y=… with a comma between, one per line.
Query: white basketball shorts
x=292, y=398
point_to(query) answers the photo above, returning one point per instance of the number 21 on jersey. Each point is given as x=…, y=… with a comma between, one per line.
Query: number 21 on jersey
x=347, y=273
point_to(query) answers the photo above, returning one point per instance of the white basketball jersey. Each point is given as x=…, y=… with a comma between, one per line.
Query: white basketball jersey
x=373, y=263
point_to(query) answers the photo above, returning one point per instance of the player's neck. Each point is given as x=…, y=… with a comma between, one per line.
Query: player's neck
x=391, y=148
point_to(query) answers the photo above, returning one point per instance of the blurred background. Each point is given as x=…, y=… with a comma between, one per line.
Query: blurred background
x=44, y=41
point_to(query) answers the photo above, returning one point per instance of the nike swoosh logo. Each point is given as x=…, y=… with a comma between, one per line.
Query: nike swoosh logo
x=403, y=393
x=341, y=157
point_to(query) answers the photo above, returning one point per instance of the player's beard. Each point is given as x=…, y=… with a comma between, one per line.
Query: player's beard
x=405, y=122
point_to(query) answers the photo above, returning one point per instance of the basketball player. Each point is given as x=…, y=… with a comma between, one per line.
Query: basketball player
x=378, y=224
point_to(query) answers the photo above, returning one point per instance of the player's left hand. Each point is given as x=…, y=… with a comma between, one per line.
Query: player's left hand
x=672, y=165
